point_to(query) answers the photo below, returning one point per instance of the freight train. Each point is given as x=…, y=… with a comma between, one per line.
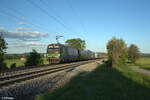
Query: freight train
x=59, y=53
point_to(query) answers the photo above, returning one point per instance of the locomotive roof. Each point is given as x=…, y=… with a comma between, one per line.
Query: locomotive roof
x=56, y=44
x=70, y=46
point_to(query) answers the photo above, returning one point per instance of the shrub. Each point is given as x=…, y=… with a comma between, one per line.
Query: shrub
x=116, y=51
x=3, y=67
x=33, y=59
x=133, y=53
x=108, y=63
x=13, y=66
x=2, y=52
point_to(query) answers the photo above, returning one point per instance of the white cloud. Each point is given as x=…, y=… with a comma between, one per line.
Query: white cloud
x=23, y=35
x=22, y=29
x=1, y=28
x=28, y=44
x=21, y=23
x=22, y=47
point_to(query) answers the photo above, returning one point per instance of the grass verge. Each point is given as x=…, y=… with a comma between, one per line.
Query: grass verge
x=105, y=83
x=144, y=63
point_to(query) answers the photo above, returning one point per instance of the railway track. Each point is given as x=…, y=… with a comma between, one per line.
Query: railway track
x=17, y=78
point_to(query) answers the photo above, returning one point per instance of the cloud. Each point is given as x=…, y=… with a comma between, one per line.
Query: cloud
x=23, y=35
x=1, y=28
x=22, y=29
x=27, y=44
x=22, y=47
x=21, y=23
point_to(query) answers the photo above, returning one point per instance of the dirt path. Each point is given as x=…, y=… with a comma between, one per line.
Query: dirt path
x=136, y=68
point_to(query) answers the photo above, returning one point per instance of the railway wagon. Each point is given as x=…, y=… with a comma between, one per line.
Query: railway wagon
x=82, y=54
x=98, y=55
x=92, y=55
x=57, y=53
x=89, y=54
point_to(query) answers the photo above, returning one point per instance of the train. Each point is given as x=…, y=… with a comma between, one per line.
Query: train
x=59, y=53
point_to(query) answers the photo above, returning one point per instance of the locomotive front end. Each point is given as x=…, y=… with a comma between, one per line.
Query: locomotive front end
x=53, y=53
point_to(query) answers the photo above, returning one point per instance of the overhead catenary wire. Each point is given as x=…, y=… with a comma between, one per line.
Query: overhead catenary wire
x=49, y=15
x=54, y=34
x=25, y=17
x=14, y=16
x=30, y=23
x=77, y=16
x=54, y=12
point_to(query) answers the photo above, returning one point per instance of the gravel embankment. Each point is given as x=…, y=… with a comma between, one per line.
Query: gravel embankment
x=28, y=89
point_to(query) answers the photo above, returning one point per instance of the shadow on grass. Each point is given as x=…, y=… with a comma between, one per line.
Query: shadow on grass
x=104, y=83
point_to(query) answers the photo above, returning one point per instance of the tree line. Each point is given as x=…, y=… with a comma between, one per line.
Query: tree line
x=119, y=53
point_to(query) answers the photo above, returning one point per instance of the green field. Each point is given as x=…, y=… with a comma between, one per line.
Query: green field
x=104, y=83
x=144, y=62
x=18, y=62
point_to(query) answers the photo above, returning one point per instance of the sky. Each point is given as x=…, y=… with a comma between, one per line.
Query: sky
x=33, y=24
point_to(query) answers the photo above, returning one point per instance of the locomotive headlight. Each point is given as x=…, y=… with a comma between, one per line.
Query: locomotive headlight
x=56, y=55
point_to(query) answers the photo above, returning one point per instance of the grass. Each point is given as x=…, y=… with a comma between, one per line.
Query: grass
x=19, y=63
x=45, y=61
x=105, y=83
x=144, y=63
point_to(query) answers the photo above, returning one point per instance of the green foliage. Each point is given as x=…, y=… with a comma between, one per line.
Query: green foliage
x=108, y=63
x=14, y=56
x=133, y=53
x=116, y=49
x=76, y=43
x=3, y=66
x=2, y=52
x=13, y=66
x=19, y=63
x=33, y=59
x=143, y=62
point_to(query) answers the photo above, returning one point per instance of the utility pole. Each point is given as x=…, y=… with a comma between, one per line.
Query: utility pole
x=57, y=38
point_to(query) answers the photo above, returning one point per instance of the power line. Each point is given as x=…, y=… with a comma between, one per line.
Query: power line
x=11, y=15
x=58, y=16
x=76, y=14
x=43, y=2
x=44, y=11
x=8, y=14
x=23, y=19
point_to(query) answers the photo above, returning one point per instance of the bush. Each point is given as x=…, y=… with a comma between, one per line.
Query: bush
x=108, y=63
x=33, y=59
x=2, y=52
x=3, y=66
x=116, y=51
x=133, y=53
x=13, y=66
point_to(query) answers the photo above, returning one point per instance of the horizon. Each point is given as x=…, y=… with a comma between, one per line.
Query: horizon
x=29, y=24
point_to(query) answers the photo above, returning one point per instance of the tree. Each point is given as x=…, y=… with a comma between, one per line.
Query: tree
x=76, y=43
x=133, y=53
x=116, y=49
x=33, y=59
x=3, y=47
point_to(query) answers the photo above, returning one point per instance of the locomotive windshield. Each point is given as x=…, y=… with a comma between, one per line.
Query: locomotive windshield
x=53, y=51
x=53, y=47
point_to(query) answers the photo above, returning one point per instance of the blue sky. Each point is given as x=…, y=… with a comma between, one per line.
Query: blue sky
x=32, y=24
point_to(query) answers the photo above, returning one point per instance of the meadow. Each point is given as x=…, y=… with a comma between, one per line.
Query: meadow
x=19, y=62
x=105, y=83
x=144, y=63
